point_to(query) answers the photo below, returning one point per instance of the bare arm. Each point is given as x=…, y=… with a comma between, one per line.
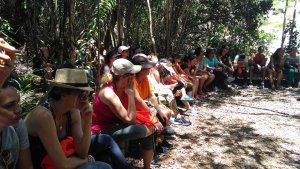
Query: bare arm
x=153, y=100
x=7, y=59
x=42, y=124
x=113, y=102
x=25, y=159
x=81, y=133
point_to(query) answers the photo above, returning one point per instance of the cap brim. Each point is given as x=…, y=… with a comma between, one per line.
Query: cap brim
x=126, y=48
x=62, y=85
x=135, y=69
x=116, y=55
x=148, y=65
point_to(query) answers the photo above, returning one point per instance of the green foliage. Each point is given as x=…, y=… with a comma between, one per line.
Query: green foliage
x=27, y=82
x=100, y=15
x=5, y=28
x=294, y=35
x=277, y=11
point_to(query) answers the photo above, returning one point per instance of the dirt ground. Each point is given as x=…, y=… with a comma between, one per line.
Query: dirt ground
x=247, y=128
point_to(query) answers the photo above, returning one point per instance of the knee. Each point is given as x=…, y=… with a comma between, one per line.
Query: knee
x=148, y=143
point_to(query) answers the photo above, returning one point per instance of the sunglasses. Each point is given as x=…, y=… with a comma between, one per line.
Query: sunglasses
x=6, y=159
x=84, y=95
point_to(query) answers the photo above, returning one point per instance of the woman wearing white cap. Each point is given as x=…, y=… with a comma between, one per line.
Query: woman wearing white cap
x=115, y=109
x=124, y=51
x=51, y=124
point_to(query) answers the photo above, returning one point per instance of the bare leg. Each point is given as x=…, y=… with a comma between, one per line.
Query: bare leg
x=186, y=104
x=202, y=80
x=279, y=78
x=271, y=78
x=210, y=79
x=147, y=156
x=251, y=73
x=195, y=88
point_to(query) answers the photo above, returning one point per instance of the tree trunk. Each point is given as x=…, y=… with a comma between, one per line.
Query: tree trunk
x=120, y=23
x=150, y=27
x=71, y=30
x=283, y=26
x=293, y=25
x=169, y=6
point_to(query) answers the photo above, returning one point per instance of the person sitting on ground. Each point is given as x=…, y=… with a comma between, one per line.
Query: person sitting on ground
x=103, y=147
x=115, y=109
x=166, y=91
x=202, y=69
x=14, y=152
x=213, y=67
x=159, y=88
x=276, y=68
x=169, y=76
x=258, y=65
x=145, y=90
x=292, y=65
x=191, y=69
x=240, y=65
x=225, y=61
x=14, y=149
x=177, y=73
x=124, y=51
x=58, y=121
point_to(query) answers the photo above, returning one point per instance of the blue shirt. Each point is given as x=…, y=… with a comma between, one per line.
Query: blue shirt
x=213, y=62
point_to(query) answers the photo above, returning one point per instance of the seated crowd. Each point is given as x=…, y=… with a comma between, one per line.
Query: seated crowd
x=138, y=100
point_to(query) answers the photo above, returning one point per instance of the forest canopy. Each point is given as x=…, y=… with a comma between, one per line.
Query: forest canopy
x=164, y=26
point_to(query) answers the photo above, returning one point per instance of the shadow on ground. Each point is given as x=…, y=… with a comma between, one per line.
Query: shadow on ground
x=237, y=145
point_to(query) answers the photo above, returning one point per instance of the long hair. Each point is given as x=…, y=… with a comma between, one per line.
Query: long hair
x=276, y=56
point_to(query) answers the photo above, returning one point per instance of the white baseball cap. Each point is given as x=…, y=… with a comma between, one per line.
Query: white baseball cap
x=122, y=48
x=123, y=66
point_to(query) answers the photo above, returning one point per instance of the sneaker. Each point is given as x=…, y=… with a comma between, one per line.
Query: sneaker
x=166, y=144
x=244, y=86
x=160, y=149
x=186, y=98
x=250, y=84
x=279, y=87
x=230, y=79
x=189, y=110
x=262, y=86
x=186, y=121
x=182, y=121
x=169, y=130
x=155, y=162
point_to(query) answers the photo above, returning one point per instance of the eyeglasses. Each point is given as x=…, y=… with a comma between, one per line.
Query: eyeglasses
x=84, y=95
x=6, y=159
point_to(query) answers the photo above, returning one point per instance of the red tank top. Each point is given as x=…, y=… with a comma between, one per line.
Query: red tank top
x=103, y=116
x=258, y=58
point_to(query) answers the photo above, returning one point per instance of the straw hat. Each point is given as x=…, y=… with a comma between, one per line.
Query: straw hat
x=71, y=79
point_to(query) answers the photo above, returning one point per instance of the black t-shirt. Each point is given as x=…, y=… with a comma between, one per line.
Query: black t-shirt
x=192, y=69
x=226, y=60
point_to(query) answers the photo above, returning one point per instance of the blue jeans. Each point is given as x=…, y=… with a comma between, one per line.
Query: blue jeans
x=94, y=165
x=102, y=144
